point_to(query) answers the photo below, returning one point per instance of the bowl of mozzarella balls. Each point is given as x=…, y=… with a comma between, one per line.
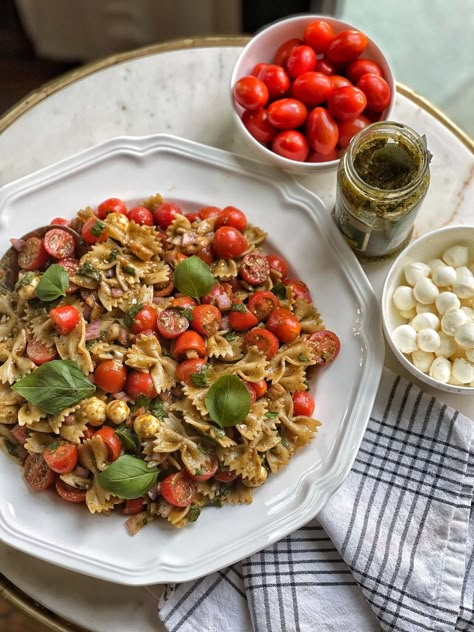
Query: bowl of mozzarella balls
x=428, y=308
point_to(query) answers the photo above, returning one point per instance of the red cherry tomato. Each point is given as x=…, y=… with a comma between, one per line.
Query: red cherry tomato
x=301, y=59
x=171, y=323
x=166, y=290
x=312, y=88
x=285, y=50
x=206, y=470
x=229, y=243
x=346, y=47
x=278, y=265
x=377, y=91
x=251, y=390
x=283, y=324
x=186, y=369
x=254, y=268
x=138, y=383
x=359, y=67
x=315, y=156
x=325, y=66
x=93, y=231
x=260, y=388
x=298, y=289
x=59, y=244
x=164, y=214
x=144, y=320
x=60, y=221
x=224, y=476
x=346, y=102
x=241, y=319
x=258, y=125
x=40, y=353
x=303, y=404
x=209, y=211
x=287, y=113
x=318, y=34
x=178, y=489
x=141, y=215
x=133, y=506
x=33, y=255
x=347, y=129
x=231, y=216
x=291, y=144
x=257, y=68
x=61, y=456
x=262, y=303
x=64, y=318
x=325, y=346
x=206, y=320
x=322, y=130
x=264, y=340
x=250, y=93
x=69, y=493
x=37, y=473
x=185, y=302
x=276, y=79
x=111, y=205
x=190, y=343
x=221, y=295
x=338, y=81
x=113, y=443
x=110, y=376
x=71, y=265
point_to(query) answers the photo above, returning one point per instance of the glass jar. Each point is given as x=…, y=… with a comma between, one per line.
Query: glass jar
x=382, y=179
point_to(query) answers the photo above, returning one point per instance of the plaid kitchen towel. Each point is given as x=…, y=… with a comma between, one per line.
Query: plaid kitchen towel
x=393, y=549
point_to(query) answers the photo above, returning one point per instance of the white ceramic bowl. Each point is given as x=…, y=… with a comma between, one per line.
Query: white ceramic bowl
x=425, y=248
x=262, y=48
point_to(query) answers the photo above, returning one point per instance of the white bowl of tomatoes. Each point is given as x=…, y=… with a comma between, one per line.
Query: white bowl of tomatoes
x=303, y=86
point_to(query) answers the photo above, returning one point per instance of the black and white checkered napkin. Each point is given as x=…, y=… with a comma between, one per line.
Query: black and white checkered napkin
x=393, y=548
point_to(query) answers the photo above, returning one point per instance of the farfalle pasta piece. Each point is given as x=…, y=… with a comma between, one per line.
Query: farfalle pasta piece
x=252, y=426
x=193, y=418
x=99, y=500
x=152, y=202
x=78, y=482
x=36, y=442
x=116, y=227
x=241, y=459
x=293, y=378
x=226, y=347
x=29, y=414
x=253, y=367
x=73, y=347
x=224, y=269
x=93, y=454
x=279, y=456
x=144, y=241
x=208, y=489
x=296, y=353
x=160, y=273
x=197, y=397
x=177, y=228
x=308, y=316
x=146, y=355
x=16, y=364
x=73, y=432
x=67, y=415
x=237, y=494
x=254, y=235
x=8, y=317
x=9, y=397
x=102, y=350
x=8, y=414
x=301, y=429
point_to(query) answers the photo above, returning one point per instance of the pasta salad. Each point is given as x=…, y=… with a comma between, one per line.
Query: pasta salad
x=154, y=362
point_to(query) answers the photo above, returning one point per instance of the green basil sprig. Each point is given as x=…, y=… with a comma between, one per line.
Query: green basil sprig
x=128, y=477
x=53, y=283
x=54, y=386
x=193, y=277
x=129, y=440
x=228, y=401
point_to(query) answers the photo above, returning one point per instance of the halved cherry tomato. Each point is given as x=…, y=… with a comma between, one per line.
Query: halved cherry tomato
x=301, y=59
x=93, y=231
x=377, y=91
x=178, y=489
x=346, y=102
x=348, y=129
x=206, y=470
x=113, y=443
x=254, y=268
x=189, y=344
x=209, y=211
x=138, y=383
x=111, y=205
x=192, y=216
x=276, y=79
x=110, y=376
x=59, y=243
x=322, y=130
x=258, y=125
x=278, y=265
x=221, y=295
x=40, y=353
x=318, y=34
x=37, y=473
x=69, y=493
x=312, y=88
x=285, y=50
x=250, y=93
x=133, y=506
x=33, y=255
x=186, y=369
x=359, y=67
x=185, y=302
x=291, y=144
x=224, y=476
x=303, y=404
x=262, y=303
x=71, y=265
x=283, y=324
x=299, y=289
x=171, y=323
x=260, y=388
x=206, y=319
x=287, y=113
x=251, y=390
x=229, y=243
x=346, y=46
x=165, y=214
x=61, y=456
x=264, y=340
x=241, y=319
x=140, y=215
x=325, y=346
x=231, y=216
x=65, y=318
x=60, y=221
x=144, y=320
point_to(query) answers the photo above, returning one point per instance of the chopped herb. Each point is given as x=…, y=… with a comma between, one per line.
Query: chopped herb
x=219, y=432
x=25, y=280
x=200, y=379
x=187, y=312
x=215, y=502
x=88, y=270
x=54, y=445
x=198, y=472
x=98, y=228
x=284, y=442
x=132, y=312
x=129, y=270
x=129, y=440
x=153, y=406
x=238, y=307
x=113, y=254
x=229, y=336
x=194, y=513
x=279, y=290
x=303, y=358
x=271, y=414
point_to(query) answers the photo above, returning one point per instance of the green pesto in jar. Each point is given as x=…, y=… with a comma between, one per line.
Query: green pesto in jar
x=382, y=180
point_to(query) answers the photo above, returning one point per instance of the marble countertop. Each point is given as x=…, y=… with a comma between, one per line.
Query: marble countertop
x=184, y=92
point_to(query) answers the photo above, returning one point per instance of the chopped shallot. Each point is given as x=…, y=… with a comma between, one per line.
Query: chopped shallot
x=18, y=244
x=93, y=330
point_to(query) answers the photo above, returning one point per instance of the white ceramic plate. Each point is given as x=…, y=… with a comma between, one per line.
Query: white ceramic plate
x=301, y=230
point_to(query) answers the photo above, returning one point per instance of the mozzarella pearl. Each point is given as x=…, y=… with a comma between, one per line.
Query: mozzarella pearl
x=146, y=426
x=470, y=354
x=444, y=276
x=435, y=263
x=425, y=309
x=425, y=321
x=93, y=412
x=464, y=335
x=463, y=371
x=452, y=320
x=408, y=314
x=404, y=337
x=117, y=411
x=403, y=298
x=446, y=301
x=425, y=291
x=440, y=369
x=428, y=340
x=469, y=313
x=463, y=286
x=456, y=256
x=422, y=360
x=415, y=271
x=446, y=345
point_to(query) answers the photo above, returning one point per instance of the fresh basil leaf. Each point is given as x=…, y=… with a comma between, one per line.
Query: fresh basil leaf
x=200, y=379
x=156, y=408
x=129, y=440
x=228, y=401
x=128, y=477
x=98, y=228
x=54, y=386
x=88, y=270
x=194, y=513
x=53, y=283
x=193, y=277
x=132, y=312
x=279, y=290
